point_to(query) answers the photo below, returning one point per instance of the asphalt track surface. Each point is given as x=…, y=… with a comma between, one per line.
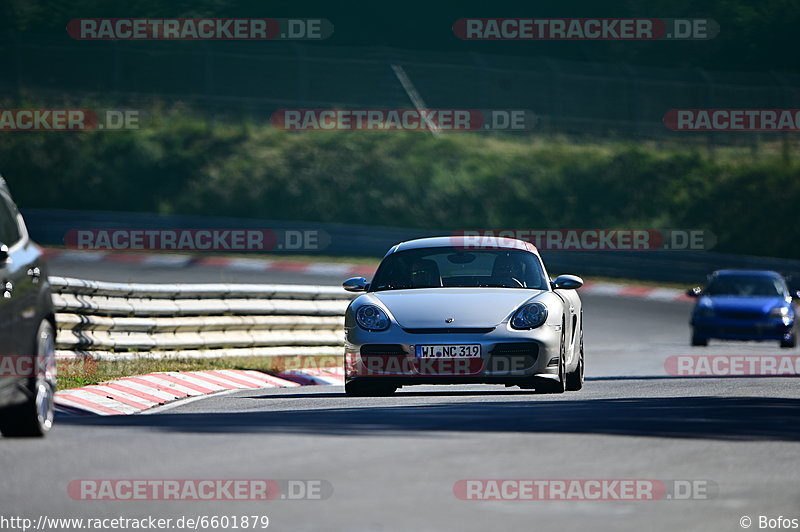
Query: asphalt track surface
x=392, y=462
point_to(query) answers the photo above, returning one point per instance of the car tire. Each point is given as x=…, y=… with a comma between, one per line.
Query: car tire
x=698, y=341
x=575, y=378
x=34, y=417
x=790, y=343
x=560, y=385
x=368, y=389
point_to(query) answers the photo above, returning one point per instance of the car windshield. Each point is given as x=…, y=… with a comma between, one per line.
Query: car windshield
x=454, y=267
x=745, y=285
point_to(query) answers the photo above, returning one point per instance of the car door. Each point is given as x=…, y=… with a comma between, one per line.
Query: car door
x=10, y=344
x=23, y=276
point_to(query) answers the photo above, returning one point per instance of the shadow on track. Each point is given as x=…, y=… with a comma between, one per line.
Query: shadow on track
x=724, y=418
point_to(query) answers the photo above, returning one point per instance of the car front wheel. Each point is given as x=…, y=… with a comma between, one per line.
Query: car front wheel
x=790, y=342
x=698, y=340
x=34, y=417
x=368, y=389
x=575, y=378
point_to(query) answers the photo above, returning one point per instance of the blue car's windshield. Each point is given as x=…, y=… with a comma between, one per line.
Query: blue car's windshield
x=745, y=285
x=453, y=267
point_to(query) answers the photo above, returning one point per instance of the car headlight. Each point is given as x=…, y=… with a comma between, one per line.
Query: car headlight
x=372, y=318
x=529, y=316
x=779, y=312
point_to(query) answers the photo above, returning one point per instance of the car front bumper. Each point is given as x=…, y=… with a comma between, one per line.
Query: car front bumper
x=737, y=329
x=507, y=356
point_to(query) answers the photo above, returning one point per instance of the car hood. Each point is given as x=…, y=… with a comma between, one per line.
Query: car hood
x=469, y=307
x=750, y=303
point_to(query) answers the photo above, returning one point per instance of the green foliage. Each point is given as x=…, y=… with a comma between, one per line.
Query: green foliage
x=182, y=165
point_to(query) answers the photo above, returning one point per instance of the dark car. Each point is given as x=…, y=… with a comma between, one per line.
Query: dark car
x=27, y=329
x=744, y=305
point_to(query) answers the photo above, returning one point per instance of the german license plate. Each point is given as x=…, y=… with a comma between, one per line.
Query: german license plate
x=449, y=351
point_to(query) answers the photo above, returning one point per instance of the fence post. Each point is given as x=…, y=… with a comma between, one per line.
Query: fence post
x=555, y=91
x=115, y=89
x=634, y=98
x=209, y=86
x=709, y=84
x=302, y=71
x=786, y=151
x=17, y=64
x=480, y=62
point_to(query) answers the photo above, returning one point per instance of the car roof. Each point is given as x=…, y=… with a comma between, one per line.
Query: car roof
x=749, y=273
x=466, y=242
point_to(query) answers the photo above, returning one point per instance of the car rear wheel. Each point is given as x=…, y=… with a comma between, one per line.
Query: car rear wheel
x=698, y=340
x=35, y=417
x=368, y=389
x=575, y=378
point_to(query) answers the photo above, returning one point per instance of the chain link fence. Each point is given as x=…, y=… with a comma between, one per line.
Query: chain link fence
x=250, y=80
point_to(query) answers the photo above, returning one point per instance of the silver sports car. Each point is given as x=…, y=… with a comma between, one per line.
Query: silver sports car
x=450, y=310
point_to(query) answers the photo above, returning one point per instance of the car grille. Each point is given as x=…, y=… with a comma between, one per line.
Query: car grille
x=451, y=330
x=513, y=356
x=741, y=314
x=382, y=350
x=744, y=331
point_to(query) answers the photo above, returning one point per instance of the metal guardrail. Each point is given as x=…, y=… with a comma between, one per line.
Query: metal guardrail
x=105, y=320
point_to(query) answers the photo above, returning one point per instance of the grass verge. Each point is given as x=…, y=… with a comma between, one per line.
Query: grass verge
x=281, y=257
x=84, y=372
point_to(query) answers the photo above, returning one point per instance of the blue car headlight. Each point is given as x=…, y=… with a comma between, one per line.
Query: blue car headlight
x=779, y=312
x=782, y=313
x=372, y=318
x=529, y=316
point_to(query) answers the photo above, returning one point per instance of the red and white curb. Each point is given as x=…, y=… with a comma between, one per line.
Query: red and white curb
x=316, y=376
x=653, y=293
x=342, y=270
x=132, y=395
x=170, y=260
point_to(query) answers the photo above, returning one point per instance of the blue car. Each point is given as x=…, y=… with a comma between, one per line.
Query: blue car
x=744, y=305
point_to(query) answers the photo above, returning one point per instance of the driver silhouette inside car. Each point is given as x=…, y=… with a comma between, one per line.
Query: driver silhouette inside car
x=507, y=272
x=425, y=274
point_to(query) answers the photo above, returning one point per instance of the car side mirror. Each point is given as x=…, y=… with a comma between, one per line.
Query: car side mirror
x=567, y=282
x=356, y=284
x=694, y=292
x=3, y=253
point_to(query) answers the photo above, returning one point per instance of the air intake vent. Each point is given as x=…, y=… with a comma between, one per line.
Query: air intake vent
x=451, y=330
x=516, y=348
x=510, y=357
x=382, y=350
